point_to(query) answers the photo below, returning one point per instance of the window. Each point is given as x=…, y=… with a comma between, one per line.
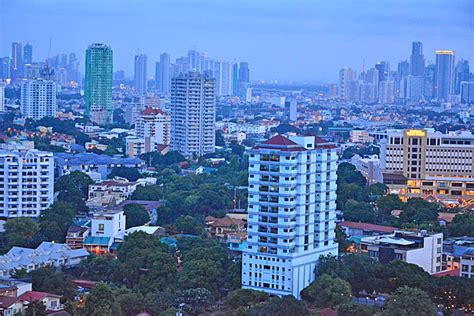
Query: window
x=101, y=226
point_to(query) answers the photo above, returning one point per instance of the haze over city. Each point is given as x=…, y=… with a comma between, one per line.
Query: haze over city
x=282, y=40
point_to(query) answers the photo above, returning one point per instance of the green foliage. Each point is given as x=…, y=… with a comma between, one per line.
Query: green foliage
x=196, y=301
x=99, y=268
x=35, y=308
x=201, y=273
x=49, y=280
x=131, y=303
x=386, y=204
x=354, y=309
x=21, y=232
x=73, y=188
x=189, y=225
x=131, y=174
x=347, y=173
x=341, y=239
x=364, y=151
x=245, y=298
x=419, y=211
x=359, y=212
x=284, y=306
x=136, y=215
x=162, y=161
x=409, y=301
x=55, y=221
x=462, y=225
x=148, y=193
x=101, y=302
x=327, y=292
x=43, y=143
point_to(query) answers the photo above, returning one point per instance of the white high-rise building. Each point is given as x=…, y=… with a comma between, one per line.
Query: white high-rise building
x=346, y=75
x=291, y=213
x=38, y=98
x=2, y=96
x=193, y=114
x=140, y=75
x=26, y=181
x=386, y=95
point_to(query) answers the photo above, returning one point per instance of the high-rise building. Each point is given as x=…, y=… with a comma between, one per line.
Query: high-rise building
x=193, y=114
x=140, y=74
x=444, y=75
x=119, y=75
x=2, y=96
x=152, y=130
x=291, y=213
x=467, y=92
x=163, y=76
x=462, y=74
x=28, y=53
x=5, y=68
x=415, y=87
x=194, y=60
x=383, y=69
x=422, y=162
x=235, y=79
x=27, y=178
x=430, y=71
x=73, y=73
x=386, y=92
x=417, y=60
x=244, y=78
x=346, y=75
x=225, y=80
x=291, y=110
x=98, y=84
x=16, y=65
x=403, y=69
x=38, y=98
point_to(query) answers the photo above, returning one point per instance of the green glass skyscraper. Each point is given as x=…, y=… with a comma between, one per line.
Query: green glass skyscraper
x=98, y=85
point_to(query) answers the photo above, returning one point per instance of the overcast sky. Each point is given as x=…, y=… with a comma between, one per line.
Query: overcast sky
x=284, y=40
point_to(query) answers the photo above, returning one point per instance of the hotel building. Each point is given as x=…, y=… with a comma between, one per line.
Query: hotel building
x=291, y=213
x=422, y=162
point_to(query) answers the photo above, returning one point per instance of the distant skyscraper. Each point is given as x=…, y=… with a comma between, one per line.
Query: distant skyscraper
x=383, y=69
x=444, y=75
x=386, y=92
x=73, y=73
x=140, y=77
x=430, y=71
x=417, y=60
x=16, y=65
x=467, y=92
x=2, y=96
x=462, y=74
x=163, y=77
x=5, y=68
x=119, y=75
x=98, y=84
x=194, y=59
x=38, y=98
x=404, y=69
x=193, y=114
x=244, y=78
x=346, y=75
x=28, y=53
x=291, y=110
x=225, y=80
x=235, y=79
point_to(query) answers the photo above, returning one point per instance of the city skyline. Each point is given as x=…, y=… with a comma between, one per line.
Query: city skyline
x=306, y=29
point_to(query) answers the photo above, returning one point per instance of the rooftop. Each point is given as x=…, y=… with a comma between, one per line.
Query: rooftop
x=367, y=226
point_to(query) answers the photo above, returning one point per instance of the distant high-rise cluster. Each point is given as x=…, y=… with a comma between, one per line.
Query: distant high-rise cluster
x=230, y=78
x=98, y=83
x=414, y=81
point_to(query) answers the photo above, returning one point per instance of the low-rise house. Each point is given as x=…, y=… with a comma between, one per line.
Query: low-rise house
x=237, y=241
x=355, y=230
x=106, y=227
x=46, y=254
x=76, y=235
x=453, y=249
x=51, y=301
x=467, y=264
x=108, y=193
x=220, y=227
x=417, y=247
x=11, y=306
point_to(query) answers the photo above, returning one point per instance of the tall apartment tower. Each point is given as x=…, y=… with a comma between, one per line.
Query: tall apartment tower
x=346, y=76
x=2, y=96
x=291, y=213
x=28, y=53
x=16, y=71
x=244, y=78
x=98, y=84
x=27, y=182
x=444, y=75
x=417, y=60
x=38, y=98
x=163, y=77
x=193, y=114
x=141, y=81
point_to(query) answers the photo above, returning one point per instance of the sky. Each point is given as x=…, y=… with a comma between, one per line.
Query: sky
x=293, y=40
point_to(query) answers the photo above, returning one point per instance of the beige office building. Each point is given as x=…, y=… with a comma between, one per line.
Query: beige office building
x=422, y=162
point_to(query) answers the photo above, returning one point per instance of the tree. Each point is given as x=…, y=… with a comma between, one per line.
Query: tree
x=35, y=308
x=21, y=232
x=397, y=274
x=49, y=280
x=73, y=188
x=131, y=174
x=419, y=211
x=131, y=303
x=101, y=301
x=55, y=221
x=327, y=292
x=359, y=212
x=386, y=204
x=189, y=225
x=347, y=173
x=462, y=225
x=245, y=298
x=136, y=215
x=287, y=305
x=342, y=240
x=351, y=309
x=409, y=301
x=202, y=273
x=196, y=301
x=148, y=193
x=99, y=268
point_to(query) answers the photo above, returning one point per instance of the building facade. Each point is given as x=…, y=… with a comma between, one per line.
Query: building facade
x=26, y=182
x=38, y=98
x=444, y=75
x=193, y=114
x=291, y=213
x=141, y=80
x=430, y=163
x=98, y=84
